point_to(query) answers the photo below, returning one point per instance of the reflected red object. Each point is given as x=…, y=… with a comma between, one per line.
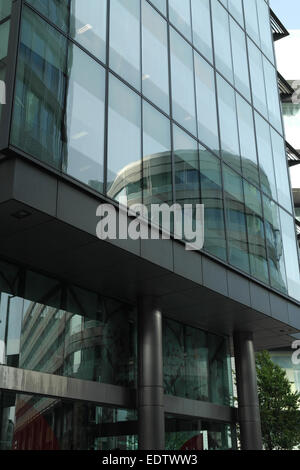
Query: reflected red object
x=196, y=443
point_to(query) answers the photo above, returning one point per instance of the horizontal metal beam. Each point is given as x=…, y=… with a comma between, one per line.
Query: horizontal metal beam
x=39, y=383
x=199, y=409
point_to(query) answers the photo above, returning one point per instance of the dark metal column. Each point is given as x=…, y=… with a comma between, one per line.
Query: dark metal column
x=249, y=415
x=151, y=423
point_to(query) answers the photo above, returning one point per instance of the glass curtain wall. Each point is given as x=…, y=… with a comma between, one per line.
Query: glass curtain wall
x=5, y=13
x=103, y=94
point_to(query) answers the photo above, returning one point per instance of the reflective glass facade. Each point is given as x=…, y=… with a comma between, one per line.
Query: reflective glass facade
x=5, y=12
x=35, y=422
x=102, y=94
x=48, y=326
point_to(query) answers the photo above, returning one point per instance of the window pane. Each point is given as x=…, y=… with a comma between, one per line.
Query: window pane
x=180, y=16
x=257, y=79
x=272, y=95
x=4, y=37
x=57, y=11
x=124, y=142
x=5, y=8
x=212, y=198
x=88, y=25
x=124, y=47
x=256, y=233
x=67, y=132
x=247, y=140
x=202, y=27
x=251, y=20
x=265, y=157
x=39, y=126
x=83, y=158
x=228, y=124
x=281, y=172
x=155, y=58
x=160, y=5
x=265, y=29
x=222, y=40
x=236, y=9
x=240, y=62
x=183, y=94
x=187, y=175
x=290, y=254
x=83, y=21
x=206, y=103
x=274, y=245
x=157, y=168
x=236, y=220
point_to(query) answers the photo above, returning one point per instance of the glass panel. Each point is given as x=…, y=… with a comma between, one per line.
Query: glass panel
x=236, y=9
x=155, y=58
x=4, y=38
x=85, y=119
x=66, y=131
x=187, y=175
x=195, y=364
x=265, y=157
x=38, y=125
x=83, y=21
x=247, y=140
x=161, y=5
x=236, y=220
x=88, y=338
x=212, y=198
x=124, y=142
x=157, y=168
x=256, y=233
x=5, y=8
x=202, y=27
x=272, y=95
x=88, y=26
x=36, y=422
x=240, y=62
x=124, y=47
x=57, y=11
x=291, y=254
x=206, y=104
x=274, y=245
x=180, y=16
x=182, y=73
x=281, y=171
x=257, y=78
x=187, y=434
x=220, y=383
x=251, y=19
x=222, y=40
x=228, y=124
x=265, y=29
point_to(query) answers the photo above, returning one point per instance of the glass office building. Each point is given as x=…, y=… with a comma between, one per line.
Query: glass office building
x=139, y=101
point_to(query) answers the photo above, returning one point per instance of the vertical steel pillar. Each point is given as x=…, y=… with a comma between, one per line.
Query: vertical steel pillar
x=151, y=422
x=249, y=414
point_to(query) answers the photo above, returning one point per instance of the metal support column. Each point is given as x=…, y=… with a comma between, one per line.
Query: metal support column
x=151, y=423
x=248, y=412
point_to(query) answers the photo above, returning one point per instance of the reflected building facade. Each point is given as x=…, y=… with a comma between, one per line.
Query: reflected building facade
x=140, y=101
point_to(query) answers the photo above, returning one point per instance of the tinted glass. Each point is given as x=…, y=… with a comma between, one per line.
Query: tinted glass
x=155, y=78
x=124, y=141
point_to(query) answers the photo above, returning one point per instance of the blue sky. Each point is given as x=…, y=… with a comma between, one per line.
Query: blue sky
x=288, y=11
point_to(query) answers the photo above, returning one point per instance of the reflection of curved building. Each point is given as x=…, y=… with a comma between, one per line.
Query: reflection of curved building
x=252, y=241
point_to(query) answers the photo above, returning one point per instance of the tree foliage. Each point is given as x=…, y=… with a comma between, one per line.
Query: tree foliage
x=279, y=406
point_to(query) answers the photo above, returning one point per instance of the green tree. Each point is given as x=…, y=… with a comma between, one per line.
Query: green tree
x=279, y=406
